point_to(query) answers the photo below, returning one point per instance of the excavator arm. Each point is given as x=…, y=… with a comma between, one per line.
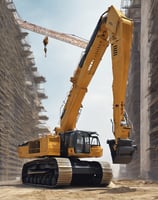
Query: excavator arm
x=115, y=29
x=120, y=31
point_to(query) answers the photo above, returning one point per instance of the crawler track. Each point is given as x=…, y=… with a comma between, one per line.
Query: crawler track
x=56, y=172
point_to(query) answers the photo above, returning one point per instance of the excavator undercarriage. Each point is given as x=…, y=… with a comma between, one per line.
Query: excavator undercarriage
x=56, y=172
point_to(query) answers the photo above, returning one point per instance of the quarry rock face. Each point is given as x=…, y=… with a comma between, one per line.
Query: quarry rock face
x=142, y=89
x=20, y=102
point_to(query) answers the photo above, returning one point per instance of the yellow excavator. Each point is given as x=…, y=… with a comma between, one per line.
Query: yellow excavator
x=59, y=155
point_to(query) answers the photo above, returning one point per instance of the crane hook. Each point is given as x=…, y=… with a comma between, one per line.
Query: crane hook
x=45, y=42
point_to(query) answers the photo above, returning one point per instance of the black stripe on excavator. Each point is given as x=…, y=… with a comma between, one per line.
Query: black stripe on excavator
x=91, y=41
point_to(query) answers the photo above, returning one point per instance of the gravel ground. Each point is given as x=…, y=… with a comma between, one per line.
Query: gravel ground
x=118, y=189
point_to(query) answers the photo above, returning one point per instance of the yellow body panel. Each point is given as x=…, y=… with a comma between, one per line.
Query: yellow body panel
x=120, y=48
x=95, y=152
x=48, y=145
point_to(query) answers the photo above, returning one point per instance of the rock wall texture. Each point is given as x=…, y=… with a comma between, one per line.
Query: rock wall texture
x=142, y=91
x=133, y=88
x=150, y=51
x=20, y=98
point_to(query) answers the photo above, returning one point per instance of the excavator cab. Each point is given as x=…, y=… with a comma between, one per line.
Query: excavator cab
x=80, y=144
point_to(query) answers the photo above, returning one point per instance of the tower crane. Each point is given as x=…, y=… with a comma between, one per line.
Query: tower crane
x=71, y=39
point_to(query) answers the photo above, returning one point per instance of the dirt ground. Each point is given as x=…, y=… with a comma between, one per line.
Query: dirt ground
x=118, y=189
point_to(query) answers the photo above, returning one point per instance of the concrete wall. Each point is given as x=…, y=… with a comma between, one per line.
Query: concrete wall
x=19, y=97
x=133, y=100
x=142, y=92
x=132, y=10
x=144, y=95
x=152, y=65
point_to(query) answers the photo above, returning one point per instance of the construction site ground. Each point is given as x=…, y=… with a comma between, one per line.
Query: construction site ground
x=118, y=189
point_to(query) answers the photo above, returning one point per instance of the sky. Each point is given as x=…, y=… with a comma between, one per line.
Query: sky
x=79, y=18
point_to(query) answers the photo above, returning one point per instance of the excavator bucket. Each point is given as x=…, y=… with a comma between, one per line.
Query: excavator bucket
x=122, y=152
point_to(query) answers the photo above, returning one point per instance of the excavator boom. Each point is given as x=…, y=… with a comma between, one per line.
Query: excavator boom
x=83, y=75
x=115, y=29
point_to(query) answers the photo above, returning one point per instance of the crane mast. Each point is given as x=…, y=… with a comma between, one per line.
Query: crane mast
x=68, y=38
